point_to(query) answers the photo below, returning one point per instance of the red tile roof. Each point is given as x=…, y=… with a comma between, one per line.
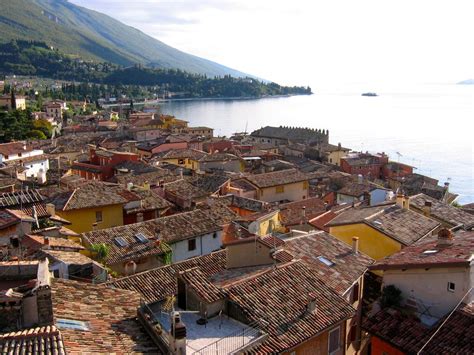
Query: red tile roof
x=429, y=253
x=36, y=341
x=110, y=314
x=292, y=213
x=347, y=266
x=278, y=300
x=198, y=281
x=276, y=178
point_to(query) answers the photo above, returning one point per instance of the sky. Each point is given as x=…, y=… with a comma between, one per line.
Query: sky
x=313, y=42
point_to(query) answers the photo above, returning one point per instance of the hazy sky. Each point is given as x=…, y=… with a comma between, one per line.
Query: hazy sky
x=313, y=42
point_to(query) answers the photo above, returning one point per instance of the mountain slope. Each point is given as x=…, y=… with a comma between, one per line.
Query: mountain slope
x=91, y=35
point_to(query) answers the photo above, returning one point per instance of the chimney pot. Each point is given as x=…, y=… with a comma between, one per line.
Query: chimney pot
x=445, y=237
x=355, y=245
x=427, y=208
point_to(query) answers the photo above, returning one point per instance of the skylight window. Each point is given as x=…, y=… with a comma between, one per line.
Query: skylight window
x=121, y=242
x=72, y=324
x=141, y=238
x=325, y=261
x=430, y=251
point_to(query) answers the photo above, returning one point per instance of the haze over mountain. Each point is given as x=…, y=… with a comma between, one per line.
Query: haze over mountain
x=91, y=35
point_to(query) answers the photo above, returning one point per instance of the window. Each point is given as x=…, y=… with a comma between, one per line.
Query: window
x=280, y=189
x=191, y=244
x=334, y=340
x=451, y=286
x=305, y=185
x=181, y=161
x=72, y=324
x=121, y=242
x=140, y=237
x=98, y=216
x=214, y=236
x=325, y=261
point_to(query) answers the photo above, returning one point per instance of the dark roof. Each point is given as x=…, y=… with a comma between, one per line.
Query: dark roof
x=276, y=178
x=157, y=284
x=184, y=153
x=20, y=198
x=444, y=212
x=149, y=200
x=8, y=219
x=294, y=134
x=356, y=189
x=110, y=313
x=209, y=183
x=153, y=178
x=347, y=266
x=198, y=281
x=458, y=253
x=292, y=213
x=244, y=203
x=279, y=298
x=169, y=229
x=408, y=334
x=219, y=157
x=93, y=194
x=35, y=341
x=135, y=167
x=403, y=225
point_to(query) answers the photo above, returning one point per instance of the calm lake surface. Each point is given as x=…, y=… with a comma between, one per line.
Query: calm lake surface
x=431, y=126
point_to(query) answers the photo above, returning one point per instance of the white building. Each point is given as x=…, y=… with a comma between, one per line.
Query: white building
x=433, y=276
x=34, y=162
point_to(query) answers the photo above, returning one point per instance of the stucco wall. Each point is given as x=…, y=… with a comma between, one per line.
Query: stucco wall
x=433, y=290
x=371, y=242
x=82, y=220
x=205, y=244
x=292, y=192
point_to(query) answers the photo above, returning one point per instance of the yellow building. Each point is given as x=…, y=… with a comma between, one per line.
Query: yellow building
x=6, y=101
x=284, y=185
x=263, y=223
x=382, y=230
x=92, y=206
x=186, y=158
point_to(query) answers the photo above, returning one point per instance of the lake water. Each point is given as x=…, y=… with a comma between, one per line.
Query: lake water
x=431, y=126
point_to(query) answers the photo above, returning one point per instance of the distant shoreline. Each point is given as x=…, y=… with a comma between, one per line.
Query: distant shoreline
x=231, y=98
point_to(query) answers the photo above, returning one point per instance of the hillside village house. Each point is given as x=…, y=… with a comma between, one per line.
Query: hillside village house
x=280, y=186
x=162, y=143
x=101, y=163
x=186, y=158
x=33, y=161
x=369, y=165
x=355, y=192
x=221, y=162
x=6, y=102
x=333, y=153
x=342, y=267
x=55, y=109
x=206, y=132
x=164, y=240
x=94, y=205
x=382, y=230
x=435, y=278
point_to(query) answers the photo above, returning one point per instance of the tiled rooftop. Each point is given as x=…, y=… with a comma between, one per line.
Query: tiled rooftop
x=279, y=298
x=244, y=203
x=68, y=257
x=36, y=242
x=347, y=266
x=198, y=281
x=356, y=189
x=408, y=334
x=23, y=197
x=157, y=284
x=93, y=194
x=292, y=213
x=443, y=211
x=403, y=225
x=219, y=157
x=8, y=219
x=184, y=154
x=459, y=253
x=110, y=315
x=35, y=341
x=277, y=178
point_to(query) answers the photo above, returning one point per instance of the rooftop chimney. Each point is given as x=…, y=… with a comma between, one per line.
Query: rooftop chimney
x=445, y=238
x=427, y=208
x=178, y=335
x=311, y=307
x=403, y=201
x=355, y=245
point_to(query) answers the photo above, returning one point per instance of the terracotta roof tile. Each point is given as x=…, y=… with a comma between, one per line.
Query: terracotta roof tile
x=292, y=213
x=109, y=313
x=277, y=178
x=443, y=211
x=347, y=266
x=458, y=252
x=278, y=300
x=35, y=341
x=201, y=285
